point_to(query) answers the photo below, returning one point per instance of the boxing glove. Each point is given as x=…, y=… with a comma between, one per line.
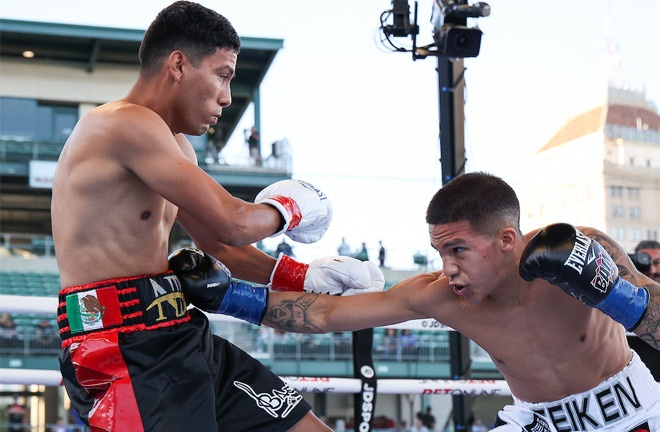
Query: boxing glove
x=306, y=211
x=333, y=275
x=580, y=266
x=207, y=284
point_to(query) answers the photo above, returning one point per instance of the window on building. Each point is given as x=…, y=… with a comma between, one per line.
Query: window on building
x=634, y=193
x=635, y=234
x=652, y=234
x=618, y=212
x=31, y=120
x=618, y=233
x=616, y=191
x=635, y=213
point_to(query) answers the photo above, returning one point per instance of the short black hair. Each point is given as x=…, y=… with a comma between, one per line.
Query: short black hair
x=484, y=200
x=195, y=30
x=647, y=244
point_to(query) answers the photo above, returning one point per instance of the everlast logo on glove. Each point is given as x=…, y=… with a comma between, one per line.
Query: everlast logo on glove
x=580, y=257
x=321, y=195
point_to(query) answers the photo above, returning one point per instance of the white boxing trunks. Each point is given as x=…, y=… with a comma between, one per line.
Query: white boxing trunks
x=629, y=401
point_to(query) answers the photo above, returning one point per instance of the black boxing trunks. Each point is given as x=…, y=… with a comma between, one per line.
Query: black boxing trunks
x=135, y=358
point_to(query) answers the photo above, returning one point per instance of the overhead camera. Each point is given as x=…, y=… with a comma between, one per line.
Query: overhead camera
x=451, y=35
x=450, y=32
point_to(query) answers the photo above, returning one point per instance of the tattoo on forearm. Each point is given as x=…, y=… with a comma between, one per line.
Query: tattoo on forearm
x=648, y=329
x=293, y=315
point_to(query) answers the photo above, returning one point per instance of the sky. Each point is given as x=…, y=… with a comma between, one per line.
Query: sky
x=363, y=121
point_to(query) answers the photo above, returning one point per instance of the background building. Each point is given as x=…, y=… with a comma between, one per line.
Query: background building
x=601, y=169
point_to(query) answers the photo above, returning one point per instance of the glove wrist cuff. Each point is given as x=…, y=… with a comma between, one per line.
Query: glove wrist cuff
x=289, y=210
x=245, y=301
x=288, y=274
x=626, y=304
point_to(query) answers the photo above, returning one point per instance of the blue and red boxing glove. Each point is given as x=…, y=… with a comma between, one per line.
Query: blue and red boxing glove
x=208, y=284
x=580, y=266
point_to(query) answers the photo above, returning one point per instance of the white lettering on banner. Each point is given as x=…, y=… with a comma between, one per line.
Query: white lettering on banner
x=578, y=256
x=367, y=407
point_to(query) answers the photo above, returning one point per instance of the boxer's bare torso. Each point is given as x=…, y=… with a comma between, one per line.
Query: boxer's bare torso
x=106, y=221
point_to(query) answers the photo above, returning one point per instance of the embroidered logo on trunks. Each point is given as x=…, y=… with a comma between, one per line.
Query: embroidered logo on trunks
x=92, y=310
x=279, y=404
x=164, y=301
x=538, y=425
x=644, y=427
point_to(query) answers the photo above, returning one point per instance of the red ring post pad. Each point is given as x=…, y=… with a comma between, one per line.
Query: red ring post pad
x=626, y=303
x=245, y=301
x=288, y=274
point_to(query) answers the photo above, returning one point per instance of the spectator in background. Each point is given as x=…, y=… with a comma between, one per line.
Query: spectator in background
x=254, y=146
x=478, y=426
x=389, y=343
x=344, y=248
x=16, y=413
x=362, y=255
x=652, y=249
x=419, y=425
x=60, y=426
x=650, y=268
x=381, y=254
x=284, y=248
x=265, y=334
x=8, y=332
x=428, y=419
x=409, y=344
x=44, y=336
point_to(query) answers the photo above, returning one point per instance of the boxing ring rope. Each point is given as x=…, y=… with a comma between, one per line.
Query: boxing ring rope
x=48, y=305
x=53, y=378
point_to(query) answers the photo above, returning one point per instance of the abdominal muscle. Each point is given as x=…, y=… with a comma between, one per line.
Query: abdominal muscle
x=546, y=354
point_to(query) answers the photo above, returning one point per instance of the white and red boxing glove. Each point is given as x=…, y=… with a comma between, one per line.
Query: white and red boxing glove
x=306, y=211
x=338, y=275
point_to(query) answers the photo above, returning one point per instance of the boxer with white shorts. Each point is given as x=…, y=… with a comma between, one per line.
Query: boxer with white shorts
x=629, y=401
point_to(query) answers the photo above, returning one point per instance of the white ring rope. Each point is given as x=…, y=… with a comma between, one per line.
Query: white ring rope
x=315, y=384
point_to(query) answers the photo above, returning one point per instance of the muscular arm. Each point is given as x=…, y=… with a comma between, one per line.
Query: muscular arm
x=318, y=313
x=166, y=164
x=649, y=328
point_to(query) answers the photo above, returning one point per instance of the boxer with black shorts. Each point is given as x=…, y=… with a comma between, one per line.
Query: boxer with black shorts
x=135, y=356
x=565, y=357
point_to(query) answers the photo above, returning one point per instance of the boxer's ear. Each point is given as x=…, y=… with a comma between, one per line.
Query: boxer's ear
x=507, y=237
